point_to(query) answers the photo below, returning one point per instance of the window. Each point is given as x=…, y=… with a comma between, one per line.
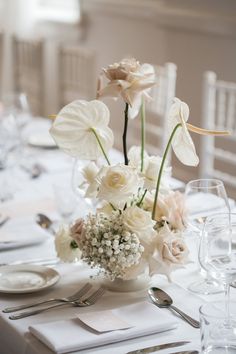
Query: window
x=59, y=10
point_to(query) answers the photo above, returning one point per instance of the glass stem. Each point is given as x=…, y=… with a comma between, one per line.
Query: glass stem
x=227, y=300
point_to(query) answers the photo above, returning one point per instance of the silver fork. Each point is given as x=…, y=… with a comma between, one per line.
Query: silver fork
x=77, y=296
x=80, y=303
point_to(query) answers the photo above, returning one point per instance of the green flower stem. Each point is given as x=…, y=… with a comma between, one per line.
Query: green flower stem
x=161, y=169
x=125, y=134
x=100, y=144
x=141, y=200
x=143, y=120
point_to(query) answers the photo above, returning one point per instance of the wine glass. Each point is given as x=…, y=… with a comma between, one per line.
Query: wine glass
x=204, y=197
x=217, y=256
x=17, y=105
x=9, y=155
x=79, y=184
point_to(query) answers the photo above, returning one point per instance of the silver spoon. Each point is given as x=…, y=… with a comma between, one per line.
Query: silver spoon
x=45, y=222
x=162, y=299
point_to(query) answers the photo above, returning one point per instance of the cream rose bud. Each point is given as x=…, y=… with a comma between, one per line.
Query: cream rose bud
x=119, y=184
x=171, y=208
x=90, y=172
x=134, y=156
x=139, y=221
x=77, y=229
x=65, y=245
x=172, y=247
x=152, y=171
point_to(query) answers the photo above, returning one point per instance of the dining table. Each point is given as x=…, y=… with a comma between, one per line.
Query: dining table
x=35, y=195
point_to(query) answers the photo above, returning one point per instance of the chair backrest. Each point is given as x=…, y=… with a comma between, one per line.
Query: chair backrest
x=29, y=71
x=157, y=110
x=77, y=74
x=1, y=59
x=218, y=157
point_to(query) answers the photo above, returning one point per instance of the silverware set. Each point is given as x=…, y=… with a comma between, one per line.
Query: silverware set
x=76, y=300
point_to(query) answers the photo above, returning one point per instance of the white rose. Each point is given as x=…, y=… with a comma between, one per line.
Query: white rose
x=65, y=245
x=139, y=221
x=119, y=184
x=171, y=246
x=152, y=171
x=170, y=252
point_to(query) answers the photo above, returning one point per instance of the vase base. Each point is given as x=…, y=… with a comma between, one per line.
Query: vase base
x=120, y=285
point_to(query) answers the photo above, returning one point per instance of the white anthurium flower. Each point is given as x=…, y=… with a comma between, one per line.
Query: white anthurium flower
x=182, y=143
x=129, y=80
x=80, y=126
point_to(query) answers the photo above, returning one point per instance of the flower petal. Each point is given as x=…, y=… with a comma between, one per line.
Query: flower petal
x=72, y=129
x=184, y=148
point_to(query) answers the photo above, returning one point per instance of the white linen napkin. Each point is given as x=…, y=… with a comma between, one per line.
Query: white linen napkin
x=21, y=232
x=70, y=335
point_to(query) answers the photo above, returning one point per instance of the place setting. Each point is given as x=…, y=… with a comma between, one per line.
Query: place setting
x=108, y=263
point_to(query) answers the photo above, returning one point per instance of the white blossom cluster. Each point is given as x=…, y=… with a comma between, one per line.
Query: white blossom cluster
x=107, y=244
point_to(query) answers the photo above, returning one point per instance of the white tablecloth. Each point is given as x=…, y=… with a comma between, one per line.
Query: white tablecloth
x=37, y=196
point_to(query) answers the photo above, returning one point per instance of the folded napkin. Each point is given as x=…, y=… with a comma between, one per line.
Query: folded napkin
x=21, y=232
x=70, y=335
x=199, y=205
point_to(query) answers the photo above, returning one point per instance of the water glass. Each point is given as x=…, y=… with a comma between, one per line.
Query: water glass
x=214, y=338
x=65, y=200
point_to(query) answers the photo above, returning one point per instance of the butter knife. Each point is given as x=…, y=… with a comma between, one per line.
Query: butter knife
x=159, y=347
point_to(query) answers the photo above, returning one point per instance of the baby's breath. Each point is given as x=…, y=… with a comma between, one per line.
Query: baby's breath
x=108, y=245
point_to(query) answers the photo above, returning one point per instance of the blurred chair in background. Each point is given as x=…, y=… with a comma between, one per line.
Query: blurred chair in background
x=1, y=59
x=29, y=71
x=77, y=74
x=218, y=157
x=157, y=110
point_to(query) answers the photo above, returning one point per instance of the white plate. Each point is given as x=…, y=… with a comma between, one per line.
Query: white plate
x=42, y=140
x=19, y=279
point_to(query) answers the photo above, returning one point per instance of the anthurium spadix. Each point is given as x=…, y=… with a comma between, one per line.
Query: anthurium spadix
x=81, y=129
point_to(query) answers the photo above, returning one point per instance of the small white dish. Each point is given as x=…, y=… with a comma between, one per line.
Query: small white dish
x=41, y=140
x=19, y=279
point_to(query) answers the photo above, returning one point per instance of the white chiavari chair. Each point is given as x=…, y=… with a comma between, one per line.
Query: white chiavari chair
x=1, y=59
x=157, y=110
x=29, y=71
x=218, y=156
x=77, y=74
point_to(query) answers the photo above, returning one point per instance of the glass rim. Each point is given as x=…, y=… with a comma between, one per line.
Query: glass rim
x=209, y=305
x=217, y=183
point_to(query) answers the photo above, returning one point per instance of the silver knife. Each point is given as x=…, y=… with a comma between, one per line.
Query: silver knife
x=159, y=347
x=187, y=352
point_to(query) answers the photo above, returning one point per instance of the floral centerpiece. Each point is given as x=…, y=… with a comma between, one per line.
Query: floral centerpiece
x=139, y=221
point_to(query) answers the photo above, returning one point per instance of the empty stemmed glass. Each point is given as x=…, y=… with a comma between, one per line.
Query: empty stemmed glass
x=204, y=197
x=217, y=256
